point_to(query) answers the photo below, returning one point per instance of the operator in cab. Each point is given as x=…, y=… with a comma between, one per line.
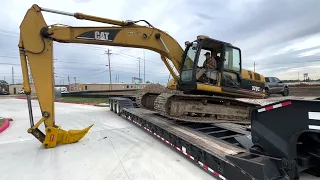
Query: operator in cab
x=210, y=62
x=208, y=69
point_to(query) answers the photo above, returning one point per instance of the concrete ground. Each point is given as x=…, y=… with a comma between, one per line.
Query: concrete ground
x=113, y=149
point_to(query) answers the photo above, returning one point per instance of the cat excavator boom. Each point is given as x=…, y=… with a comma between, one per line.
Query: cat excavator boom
x=230, y=79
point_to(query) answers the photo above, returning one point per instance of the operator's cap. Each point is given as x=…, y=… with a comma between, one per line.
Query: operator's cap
x=207, y=53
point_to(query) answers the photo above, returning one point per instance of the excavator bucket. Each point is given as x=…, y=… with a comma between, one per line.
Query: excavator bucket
x=56, y=136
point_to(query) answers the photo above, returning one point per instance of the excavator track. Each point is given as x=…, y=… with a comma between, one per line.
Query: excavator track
x=138, y=98
x=146, y=99
x=202, y=109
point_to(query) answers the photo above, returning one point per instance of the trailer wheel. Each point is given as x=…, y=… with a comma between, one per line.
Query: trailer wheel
x=111, y=105
x=285, y=92
x=118, y=109
x=267, y=92
x=114, y=106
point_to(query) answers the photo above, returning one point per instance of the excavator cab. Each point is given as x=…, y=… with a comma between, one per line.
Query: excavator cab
x=226, y=78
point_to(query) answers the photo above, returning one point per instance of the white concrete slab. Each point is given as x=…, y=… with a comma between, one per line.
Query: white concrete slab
x=113, y=149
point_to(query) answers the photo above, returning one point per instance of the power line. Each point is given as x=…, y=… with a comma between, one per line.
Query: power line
x=135, y=58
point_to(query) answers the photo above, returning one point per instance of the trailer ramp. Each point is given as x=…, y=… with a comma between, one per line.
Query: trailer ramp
x=289, y=130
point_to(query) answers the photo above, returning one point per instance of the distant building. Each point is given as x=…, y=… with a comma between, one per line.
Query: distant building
x=105, y=86
x=18, y=88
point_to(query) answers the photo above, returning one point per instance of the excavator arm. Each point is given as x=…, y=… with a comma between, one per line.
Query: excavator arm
x=36, y=50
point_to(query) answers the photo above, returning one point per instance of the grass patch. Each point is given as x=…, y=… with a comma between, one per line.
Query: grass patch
x=1, y=121
x=82, y=100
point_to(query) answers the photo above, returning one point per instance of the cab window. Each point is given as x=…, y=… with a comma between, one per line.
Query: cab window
x=232, y=59
x=191, y=53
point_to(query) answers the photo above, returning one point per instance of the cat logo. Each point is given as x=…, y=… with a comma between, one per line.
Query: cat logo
x=103, y=36
x=107, y=35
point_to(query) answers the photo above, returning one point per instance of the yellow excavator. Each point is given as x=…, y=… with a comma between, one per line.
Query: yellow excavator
x=199, y=95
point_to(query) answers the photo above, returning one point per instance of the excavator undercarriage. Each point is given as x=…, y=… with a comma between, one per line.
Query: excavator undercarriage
x=178, y=106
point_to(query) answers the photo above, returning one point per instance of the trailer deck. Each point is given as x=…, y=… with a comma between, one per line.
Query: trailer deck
x=195, y=141
x=227, y=150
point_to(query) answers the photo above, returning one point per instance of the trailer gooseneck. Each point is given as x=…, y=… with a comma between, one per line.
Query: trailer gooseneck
x=283, y=142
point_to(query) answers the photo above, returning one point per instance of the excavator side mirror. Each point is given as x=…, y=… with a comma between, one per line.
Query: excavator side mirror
x=187, y=43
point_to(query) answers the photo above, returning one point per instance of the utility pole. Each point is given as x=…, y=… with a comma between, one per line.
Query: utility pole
x=298, y=76
x=68, y=83
x=75, y=83
x=139, y=67
x=254, y=66
x=144, y=67
x=117, y=78
x=109, y=53
x=12, y=75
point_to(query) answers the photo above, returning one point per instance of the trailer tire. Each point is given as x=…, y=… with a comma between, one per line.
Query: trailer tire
x=111, y=105
x=114, y=106
x=285, y=91
x=118, y=109
x=267, y=92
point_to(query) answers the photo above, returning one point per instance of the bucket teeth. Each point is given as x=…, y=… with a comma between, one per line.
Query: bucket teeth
x=56, y=136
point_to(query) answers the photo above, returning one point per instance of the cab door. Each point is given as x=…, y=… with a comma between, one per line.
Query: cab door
x=187, y=75
x=231, y=73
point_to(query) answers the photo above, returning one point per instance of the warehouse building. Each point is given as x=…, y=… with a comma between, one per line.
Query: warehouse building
x=18, y=88
x=106, y=87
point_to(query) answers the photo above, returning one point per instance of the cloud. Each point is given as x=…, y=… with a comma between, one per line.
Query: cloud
x=281, y=37
x=314, y=52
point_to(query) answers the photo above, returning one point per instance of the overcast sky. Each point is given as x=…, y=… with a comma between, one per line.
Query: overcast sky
x=281, y=36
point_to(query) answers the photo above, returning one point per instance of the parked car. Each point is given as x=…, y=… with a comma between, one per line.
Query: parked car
x=275, y=86
x=4, y=93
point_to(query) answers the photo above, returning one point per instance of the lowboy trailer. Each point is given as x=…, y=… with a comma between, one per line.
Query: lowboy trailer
x=282, y=142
